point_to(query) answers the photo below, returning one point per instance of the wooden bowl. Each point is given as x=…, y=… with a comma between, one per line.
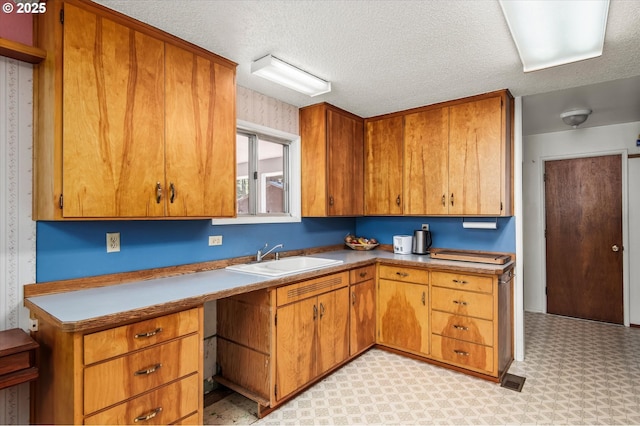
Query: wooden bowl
x=362, y=246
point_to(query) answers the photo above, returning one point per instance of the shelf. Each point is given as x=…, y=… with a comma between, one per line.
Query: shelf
x=21, y=52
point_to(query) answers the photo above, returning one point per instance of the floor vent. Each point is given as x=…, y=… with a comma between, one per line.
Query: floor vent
x=513, y=382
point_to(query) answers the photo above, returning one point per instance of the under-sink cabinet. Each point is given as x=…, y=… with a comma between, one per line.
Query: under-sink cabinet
x=148, y=371
x=272, y=343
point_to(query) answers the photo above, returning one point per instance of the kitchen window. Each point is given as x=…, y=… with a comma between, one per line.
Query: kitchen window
x=267, y=176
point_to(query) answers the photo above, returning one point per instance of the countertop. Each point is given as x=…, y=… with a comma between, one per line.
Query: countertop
x=94, y=308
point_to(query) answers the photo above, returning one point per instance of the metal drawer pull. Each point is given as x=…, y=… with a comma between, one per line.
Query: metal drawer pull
x=148, y=370
x=148, y=333
x=172, y=189
x=461, y=282
x=321, y=310
x=158, y=192
x=461, y=327
x=149, y=416
x=353, y=298
x=459, y=352
x=424, y=298
x=363, y=274
x=402, y=274
x=444, y=203
x=398, y=200
x=460, y=302
x=315, y=312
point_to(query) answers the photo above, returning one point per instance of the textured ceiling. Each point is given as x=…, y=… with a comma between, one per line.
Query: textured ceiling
x=388, y=55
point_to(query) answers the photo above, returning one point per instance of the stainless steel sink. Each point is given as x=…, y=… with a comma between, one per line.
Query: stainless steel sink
x=286, y=266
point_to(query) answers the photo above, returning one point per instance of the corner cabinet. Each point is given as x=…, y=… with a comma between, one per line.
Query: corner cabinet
x=453, y=158
x=403, y=308
x=363, y=309
x=383, y=167
x=332, y=161
x=130, y=121
x=149, y=371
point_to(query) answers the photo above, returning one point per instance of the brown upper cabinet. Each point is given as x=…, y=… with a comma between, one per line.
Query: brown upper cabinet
x=332, y=161
x=130, y=121
x=453, y=158
x=383, y=167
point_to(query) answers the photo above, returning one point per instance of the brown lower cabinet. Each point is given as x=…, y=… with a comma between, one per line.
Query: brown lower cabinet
x=148, y=371
x=274, y=343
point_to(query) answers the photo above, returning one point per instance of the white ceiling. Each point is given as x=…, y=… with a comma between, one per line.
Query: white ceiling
x=389, y=55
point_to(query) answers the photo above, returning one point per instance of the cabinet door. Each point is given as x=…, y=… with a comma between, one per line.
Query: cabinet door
x=363, y=316
x=426, y=162
x=345, y=172
x=383, y=167
x=200, y=135
x=476, y=149
x=333, y=329
x=113, y=111
x=403, y=316
x=295, y=346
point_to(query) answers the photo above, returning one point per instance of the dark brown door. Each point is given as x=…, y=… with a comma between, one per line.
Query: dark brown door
x=583, y=213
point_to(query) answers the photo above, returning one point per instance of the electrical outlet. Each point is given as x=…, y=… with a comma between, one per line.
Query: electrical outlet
x=113, y=242
x=425, y=226
x=33, y=324
x=215, y=240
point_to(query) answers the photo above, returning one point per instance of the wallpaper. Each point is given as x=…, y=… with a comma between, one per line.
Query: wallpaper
x=18, y=248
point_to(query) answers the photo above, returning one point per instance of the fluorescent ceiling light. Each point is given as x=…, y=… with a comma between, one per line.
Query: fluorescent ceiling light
x=280, y=72
x=550, y=33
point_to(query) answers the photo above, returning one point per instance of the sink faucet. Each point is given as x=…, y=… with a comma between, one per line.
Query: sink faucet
x=260, y=255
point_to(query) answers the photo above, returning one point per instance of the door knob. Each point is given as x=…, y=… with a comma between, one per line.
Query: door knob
x=615, y=247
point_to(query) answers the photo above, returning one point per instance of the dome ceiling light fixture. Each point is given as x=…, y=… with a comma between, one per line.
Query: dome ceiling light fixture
x=575, y=117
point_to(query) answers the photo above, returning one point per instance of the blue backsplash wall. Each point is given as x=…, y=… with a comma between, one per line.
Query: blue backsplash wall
x=78, y=249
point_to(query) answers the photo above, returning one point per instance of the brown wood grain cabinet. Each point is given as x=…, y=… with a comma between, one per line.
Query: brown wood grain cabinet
x=148, y=371
x=403, y=308
x=363, y=309
x=383, y=193
x=130, y=121
x=332, y=161
x=453, y=158
x=472, y=321
x=273, y=343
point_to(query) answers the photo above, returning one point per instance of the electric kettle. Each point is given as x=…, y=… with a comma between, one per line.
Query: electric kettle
x=421, y=241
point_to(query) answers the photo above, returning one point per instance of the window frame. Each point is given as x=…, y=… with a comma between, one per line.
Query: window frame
x=294, y=179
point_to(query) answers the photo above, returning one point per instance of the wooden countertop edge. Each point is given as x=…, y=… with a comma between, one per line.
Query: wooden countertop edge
x=122, y=318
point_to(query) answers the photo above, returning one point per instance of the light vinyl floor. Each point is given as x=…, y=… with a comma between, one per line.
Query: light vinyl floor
x=577, y=372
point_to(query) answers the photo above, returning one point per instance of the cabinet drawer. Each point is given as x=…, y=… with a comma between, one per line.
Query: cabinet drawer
x=464, y=328
x=464, y=354
x=465, y=303
x=120, y=340
x=401, y=273
x=163, y=406
x=462, y=281
x=113, y=381
x=309, y=288
x=362, y=274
